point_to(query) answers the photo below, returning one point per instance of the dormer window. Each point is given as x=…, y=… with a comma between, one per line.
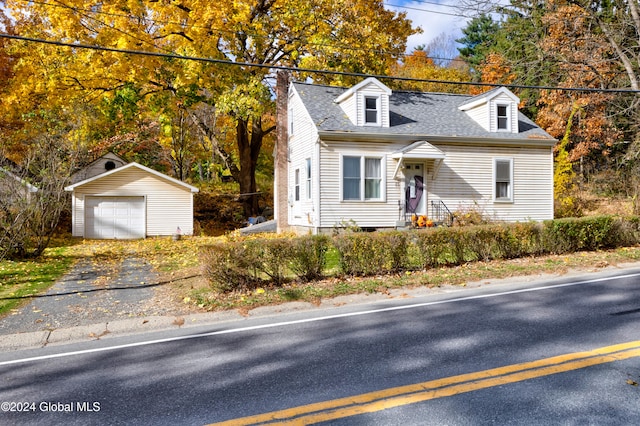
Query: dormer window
x=495, y=110
x=503, y=117
x=366, y=103
x=371, y=110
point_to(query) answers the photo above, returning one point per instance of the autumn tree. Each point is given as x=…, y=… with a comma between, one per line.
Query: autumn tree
x=585, y=62
x=564, y=177
x=418, y=65
x=578, y=44
x=346, y=35
x=6, y=73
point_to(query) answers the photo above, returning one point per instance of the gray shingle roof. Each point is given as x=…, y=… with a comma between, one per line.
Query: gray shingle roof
x=411, y=113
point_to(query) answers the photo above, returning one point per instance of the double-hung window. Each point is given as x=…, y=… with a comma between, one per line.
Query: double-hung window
x=372, y=178
x=297, y=185
x=290, y=120
x=503, y=117
x=308, y=181
x=371, y=110
x=503, y=179
x=362, y=178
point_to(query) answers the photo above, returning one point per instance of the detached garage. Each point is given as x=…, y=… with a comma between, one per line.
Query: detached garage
x=131, y=201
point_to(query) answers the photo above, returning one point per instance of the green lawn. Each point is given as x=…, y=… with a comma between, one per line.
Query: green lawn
x=21, y=279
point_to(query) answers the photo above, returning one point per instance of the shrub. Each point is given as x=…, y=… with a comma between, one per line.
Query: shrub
x=371, y=253
x=440, y=246
x=629, y=230
x=470, y=215
x=271, y=257
x=482, y=242
x=308, y=257
x=247, y=263
x=586, y=233
x=524, y=239
x=228, y=266
x=505, y=241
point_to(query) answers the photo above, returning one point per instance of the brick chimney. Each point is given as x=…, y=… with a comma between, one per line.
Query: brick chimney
x=281, y=154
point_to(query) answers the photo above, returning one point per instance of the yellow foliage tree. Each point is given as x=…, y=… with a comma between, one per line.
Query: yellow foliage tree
x=564, y=176
x=343, y=35
x=418, y=65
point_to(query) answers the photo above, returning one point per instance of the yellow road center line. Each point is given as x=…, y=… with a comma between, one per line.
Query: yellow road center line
x=410, y=394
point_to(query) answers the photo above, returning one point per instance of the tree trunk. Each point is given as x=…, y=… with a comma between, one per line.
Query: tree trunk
x=249, y=144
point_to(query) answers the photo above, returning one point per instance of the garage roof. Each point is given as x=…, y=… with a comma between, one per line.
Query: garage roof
x=127, y=166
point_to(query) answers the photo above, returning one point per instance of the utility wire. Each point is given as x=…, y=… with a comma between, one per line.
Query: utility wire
x=425, y=10
x=306, y=70
x=86, y=12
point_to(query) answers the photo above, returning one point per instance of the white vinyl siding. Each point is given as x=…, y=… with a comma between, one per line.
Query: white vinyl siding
x=382, y=103
x=349, y=106
x=484, y=111
x=466, y=181
x=511, y=120
x=98, y=167
x=354, y=104
x=168, y=205
x=290, y=122
x=480, y=115
x=366, y=213
x=302, y=148
x=463, y=181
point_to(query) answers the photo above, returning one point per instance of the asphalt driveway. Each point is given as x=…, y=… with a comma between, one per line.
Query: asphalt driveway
x=94, y=290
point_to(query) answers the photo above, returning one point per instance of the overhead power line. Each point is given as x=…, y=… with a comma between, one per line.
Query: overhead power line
x=89, y=12
x=438, y=12
x=305, y=70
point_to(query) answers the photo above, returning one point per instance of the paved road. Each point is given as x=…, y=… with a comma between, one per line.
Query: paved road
x=232, y=370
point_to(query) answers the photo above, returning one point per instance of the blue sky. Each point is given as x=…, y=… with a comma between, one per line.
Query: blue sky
x=434, y=17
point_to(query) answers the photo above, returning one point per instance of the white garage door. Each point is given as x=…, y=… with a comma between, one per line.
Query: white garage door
x=114, y=217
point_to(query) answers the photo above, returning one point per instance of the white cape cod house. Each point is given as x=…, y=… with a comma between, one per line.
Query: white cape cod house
x=373, y=157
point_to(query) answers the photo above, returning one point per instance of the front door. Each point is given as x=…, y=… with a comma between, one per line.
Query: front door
x=415, y=189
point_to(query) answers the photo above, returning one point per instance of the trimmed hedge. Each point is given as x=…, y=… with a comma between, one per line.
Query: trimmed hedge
x=251, y=263
x=371, y=253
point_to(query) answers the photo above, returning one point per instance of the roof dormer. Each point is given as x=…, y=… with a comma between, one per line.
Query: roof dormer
x=495, y=110
x=366, y=103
